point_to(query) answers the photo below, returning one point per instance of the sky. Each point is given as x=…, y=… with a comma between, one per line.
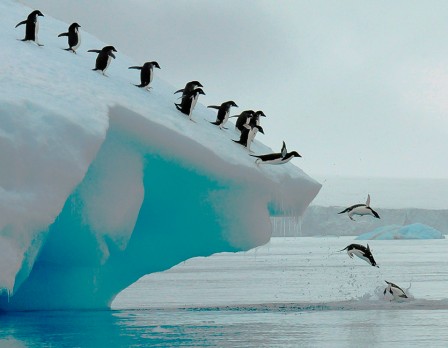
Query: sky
x=358, y=88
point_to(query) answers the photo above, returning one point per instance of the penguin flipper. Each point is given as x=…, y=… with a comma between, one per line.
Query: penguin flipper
x=63, y=34
x=178, y=91
x=94, y=51
x=178, y=107
x=111, y=55
x=344, y=211
x=213, y=107
x=135, y=67
x=22, y=22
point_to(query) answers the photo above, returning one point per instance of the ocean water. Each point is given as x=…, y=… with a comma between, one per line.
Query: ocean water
x=293, y=292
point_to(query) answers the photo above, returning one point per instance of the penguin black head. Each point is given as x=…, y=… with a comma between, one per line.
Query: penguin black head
x=294, y=154
x=109, y=48
x=196, y=83
x=375, y=214
x=74, y=26
x=199, y=90
x=36, y=13
x=155, y=64
x=230, y=103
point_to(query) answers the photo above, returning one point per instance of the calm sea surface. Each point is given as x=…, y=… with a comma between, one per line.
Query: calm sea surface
x=293, y=292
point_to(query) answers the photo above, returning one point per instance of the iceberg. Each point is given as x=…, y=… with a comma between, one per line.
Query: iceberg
x=102, y=182
x=393, y=232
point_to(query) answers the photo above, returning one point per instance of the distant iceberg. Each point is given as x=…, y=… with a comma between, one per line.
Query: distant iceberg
x=412, y=231
x=102, y=182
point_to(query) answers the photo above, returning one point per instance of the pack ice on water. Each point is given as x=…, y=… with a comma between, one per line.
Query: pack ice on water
x=102, y=183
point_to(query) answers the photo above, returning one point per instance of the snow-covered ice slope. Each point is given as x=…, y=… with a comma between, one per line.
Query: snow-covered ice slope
x=102, y=182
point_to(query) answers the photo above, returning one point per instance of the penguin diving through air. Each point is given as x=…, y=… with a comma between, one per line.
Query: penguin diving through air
x=276, y=158
x=32, y=26
x=393, y=289
x=146, y=73
x=74, y=37
x=223, y=113
x=188, y=102
x=362, y=252
x=360, y=209
x=104, y=57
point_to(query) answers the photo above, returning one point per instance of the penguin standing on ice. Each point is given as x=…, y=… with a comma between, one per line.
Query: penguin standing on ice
x=146, y=73
x=223, y=113
x=245, y=132
x=189, y=87
x=188, y=102
x=362, y=252
x=254, y=124
x=104, y=57
x=397, y=292
x=276, y=158
x=74, y=37
x=360, y=209
x=32, y=26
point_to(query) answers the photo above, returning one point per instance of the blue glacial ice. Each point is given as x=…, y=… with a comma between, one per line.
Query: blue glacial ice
x=412, y=231
x=102, y=183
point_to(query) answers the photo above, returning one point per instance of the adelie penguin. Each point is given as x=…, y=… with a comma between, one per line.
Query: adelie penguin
x=276, y=158
x=188, y=102
x=254, y=124
x=245, y=133
x=32, y=26
x=243, y=119
x=360, y=209
x=223, y=113
x=104, y=57
x=362, y=252
x=74, y=37
x=397, y=292
x=146, y=73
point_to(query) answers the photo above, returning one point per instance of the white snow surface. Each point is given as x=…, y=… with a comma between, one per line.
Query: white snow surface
x=55, y=116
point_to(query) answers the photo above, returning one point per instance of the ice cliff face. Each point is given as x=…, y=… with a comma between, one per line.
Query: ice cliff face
x=101, y=182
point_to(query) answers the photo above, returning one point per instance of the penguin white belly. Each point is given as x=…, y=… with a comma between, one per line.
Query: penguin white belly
x=109, y=58
x=361, y=211
x=79, y=41
x=151, y=75
x=251, y=136
x=226, y=118
x=359, y=254
x=36, y=30
x=193, y=103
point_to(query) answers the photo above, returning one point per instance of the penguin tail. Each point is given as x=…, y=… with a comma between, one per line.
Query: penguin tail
x=139, y=86
x=22, y=22
x=216, y=123
x=63, y=34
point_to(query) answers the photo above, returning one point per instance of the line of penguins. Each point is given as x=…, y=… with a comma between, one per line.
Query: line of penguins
x=248, y=122
x=364, y=252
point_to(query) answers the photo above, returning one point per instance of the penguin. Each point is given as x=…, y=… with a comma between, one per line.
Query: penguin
x=74, y=37
x=397, y=292
x=362, y=252
x=189, y=101
x=223, y=113
x=105, y=55
x=189, y=87
x=146, y=73
x=243, y=119
x=276, y=158
x=361, y=209
x=254, y=121
x=32, y=26
x=245, y=132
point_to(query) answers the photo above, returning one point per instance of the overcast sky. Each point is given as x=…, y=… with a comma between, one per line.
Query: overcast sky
x=359, y=88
